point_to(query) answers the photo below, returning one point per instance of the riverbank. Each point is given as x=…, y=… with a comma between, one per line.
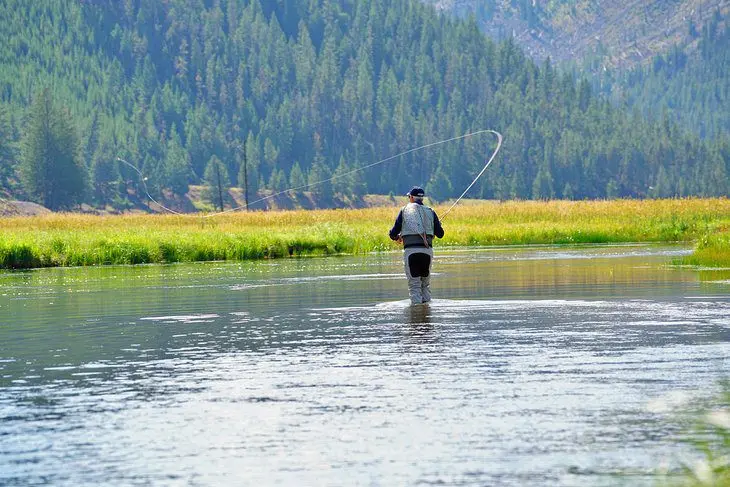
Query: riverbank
x=711, y=250
x=80, y=240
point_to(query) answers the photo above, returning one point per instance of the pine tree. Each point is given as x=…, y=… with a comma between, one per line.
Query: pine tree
x=662, y=186
x=277, y=181
x=104, y=173
x=271, y=155
x=297, y=179
x=612, y=189
x=568, y=192
x=7, y=151
x=153, y=179
x=248, y=174
x=518, y=185
x=215, y=182
x=714, y=178
x=319, y=183
x=177, y=166
x=542, y=186
x=439, y=187
x=358, y=185
x=342, y=182
x=51, y=169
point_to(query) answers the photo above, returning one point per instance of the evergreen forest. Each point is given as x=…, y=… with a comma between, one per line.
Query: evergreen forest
x=689, y=84
x=267, y=95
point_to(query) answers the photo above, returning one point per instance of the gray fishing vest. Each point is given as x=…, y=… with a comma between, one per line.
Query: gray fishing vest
x=417, y=220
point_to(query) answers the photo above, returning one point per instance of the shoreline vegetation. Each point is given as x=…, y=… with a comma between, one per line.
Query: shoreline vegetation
x=68, y=239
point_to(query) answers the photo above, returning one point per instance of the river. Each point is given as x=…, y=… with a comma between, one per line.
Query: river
x=532, y=366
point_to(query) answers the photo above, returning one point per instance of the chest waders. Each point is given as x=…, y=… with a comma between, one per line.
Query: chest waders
x=418, y=220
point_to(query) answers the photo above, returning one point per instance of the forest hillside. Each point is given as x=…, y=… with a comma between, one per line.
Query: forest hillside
x=664, y=59
x=689, y=84
x=160, y=95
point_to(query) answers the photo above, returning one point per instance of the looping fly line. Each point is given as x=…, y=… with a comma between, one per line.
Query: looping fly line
x=494, y=154
x=382, y=161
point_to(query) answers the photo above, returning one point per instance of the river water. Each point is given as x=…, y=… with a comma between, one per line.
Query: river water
x=533, y=366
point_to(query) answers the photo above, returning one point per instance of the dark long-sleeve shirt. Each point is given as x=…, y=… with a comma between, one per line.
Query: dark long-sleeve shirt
x=415, y=240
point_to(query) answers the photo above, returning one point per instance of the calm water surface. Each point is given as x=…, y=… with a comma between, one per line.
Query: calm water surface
x=536, y=366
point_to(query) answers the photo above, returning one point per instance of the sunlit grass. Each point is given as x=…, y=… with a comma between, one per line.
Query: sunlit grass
x=712, y=250
x=73, y=239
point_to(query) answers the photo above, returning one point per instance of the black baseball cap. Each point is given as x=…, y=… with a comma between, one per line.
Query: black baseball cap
x=416, y=192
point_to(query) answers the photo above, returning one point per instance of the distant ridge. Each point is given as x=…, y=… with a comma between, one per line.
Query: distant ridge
x=622, y=32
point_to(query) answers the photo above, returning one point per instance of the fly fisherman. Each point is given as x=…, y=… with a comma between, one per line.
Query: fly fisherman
x=415, y=227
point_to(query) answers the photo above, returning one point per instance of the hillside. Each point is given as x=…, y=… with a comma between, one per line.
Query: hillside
x=20, y=208
x=689, y=84
x=665, y=60
x=278, y=95
x=621, y=33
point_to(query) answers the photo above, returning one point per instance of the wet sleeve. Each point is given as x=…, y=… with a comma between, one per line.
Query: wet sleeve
x=438, y=230
x=397, y=226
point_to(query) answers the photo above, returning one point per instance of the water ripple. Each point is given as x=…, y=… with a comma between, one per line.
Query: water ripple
x=243, y=377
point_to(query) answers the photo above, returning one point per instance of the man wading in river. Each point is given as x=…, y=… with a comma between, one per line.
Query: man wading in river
x=416, y=226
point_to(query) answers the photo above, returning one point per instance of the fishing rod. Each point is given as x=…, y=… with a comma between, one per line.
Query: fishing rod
x=368, y=166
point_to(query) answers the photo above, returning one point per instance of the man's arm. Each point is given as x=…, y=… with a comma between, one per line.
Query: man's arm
x=397, y=226
x=438, y=230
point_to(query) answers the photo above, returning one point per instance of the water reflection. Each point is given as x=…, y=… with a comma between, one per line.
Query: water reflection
x=419, y=325
x=535, y=367
x=419, y=315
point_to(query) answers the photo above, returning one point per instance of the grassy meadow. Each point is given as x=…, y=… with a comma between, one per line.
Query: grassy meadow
x=78, y=240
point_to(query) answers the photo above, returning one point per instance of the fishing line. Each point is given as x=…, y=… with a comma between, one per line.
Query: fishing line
x=382, y=161
x=499, y=146
x=144, y=183
x=368, y=166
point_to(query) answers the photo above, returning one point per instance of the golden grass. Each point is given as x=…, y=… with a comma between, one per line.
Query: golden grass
x=75, y=239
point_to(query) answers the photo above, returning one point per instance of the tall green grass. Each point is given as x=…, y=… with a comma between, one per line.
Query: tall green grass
x=711, y=250
x=79, y=240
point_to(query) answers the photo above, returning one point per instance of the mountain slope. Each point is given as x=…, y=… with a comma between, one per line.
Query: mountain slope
x=295, y=91
x=622, y=33
x=663, y=59
x=690, y=83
